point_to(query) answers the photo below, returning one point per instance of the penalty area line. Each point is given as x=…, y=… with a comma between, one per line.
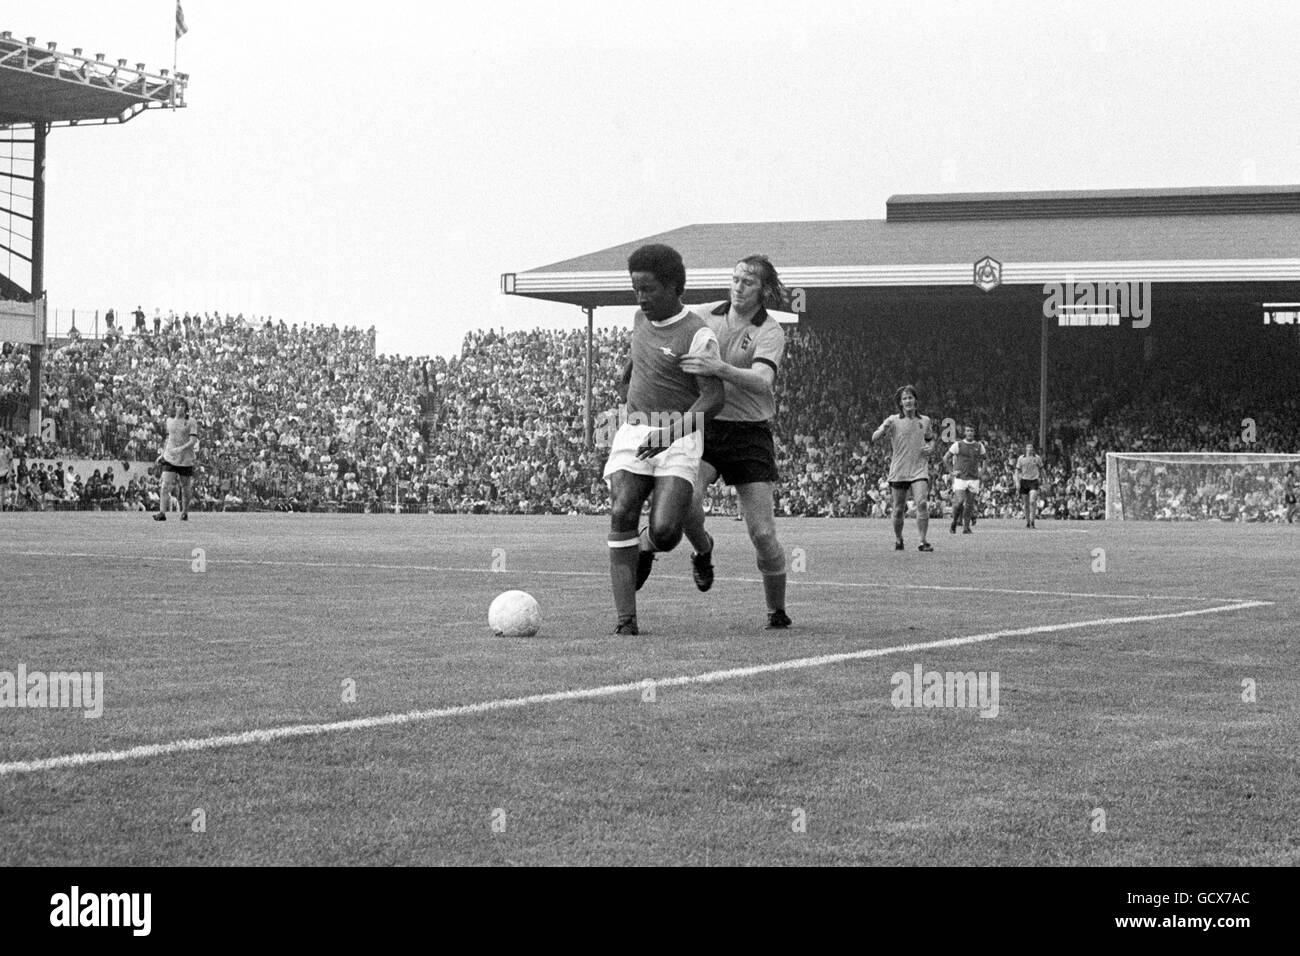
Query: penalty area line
x=145, y=751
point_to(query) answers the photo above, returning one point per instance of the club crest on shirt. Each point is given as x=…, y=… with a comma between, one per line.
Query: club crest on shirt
x=746, y=341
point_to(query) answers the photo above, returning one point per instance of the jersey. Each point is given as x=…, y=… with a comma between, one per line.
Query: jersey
x=658, y=383
x=6, y=461
x=967, y=456
x=1028, y=466
x=911, y=461
x=760, y=340
x=179, y=431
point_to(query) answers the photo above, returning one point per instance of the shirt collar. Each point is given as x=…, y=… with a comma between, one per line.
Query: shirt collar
x=758, y=319
x=675, y=319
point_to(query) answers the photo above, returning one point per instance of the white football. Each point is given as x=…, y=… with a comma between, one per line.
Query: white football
x=514, y=614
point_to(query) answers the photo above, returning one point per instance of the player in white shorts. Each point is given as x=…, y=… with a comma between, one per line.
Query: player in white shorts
x=965, y=459
x=657, y=450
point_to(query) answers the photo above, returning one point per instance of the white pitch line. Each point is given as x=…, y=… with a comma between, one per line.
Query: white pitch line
x=796, y=580
x=590, y=693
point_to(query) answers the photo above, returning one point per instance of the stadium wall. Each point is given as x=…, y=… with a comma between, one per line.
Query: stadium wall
x=123, y=471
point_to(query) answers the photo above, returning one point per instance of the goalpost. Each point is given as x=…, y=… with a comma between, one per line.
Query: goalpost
x=1198, y=486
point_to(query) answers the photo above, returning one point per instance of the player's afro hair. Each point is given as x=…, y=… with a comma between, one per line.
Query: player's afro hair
x=663, y=262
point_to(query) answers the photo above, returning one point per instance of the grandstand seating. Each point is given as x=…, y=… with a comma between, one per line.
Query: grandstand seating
x=311, y=418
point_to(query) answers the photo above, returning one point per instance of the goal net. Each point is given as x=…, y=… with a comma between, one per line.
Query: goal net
x=1199, y=486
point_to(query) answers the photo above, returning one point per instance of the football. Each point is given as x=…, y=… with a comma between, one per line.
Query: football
x=514, y=614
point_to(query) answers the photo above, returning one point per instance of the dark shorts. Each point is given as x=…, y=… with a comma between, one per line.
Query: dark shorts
x=904, y=485
x=1027, y=486
x=742, y=452
x=183, y=471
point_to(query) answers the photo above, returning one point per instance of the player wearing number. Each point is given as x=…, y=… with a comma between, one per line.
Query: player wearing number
x=738, y=443
x=911, y=437
x=1028, y=468
x=657, y=449
x=177, y=460
x=965, y=459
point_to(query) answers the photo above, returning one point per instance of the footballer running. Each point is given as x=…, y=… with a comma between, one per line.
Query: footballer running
x=657, y=449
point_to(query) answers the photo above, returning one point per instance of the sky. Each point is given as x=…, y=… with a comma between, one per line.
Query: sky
x=383, y=164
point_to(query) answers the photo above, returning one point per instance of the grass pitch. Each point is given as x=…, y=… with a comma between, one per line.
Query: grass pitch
x=1127, y=742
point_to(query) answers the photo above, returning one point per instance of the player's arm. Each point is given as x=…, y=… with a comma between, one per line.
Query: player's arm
x=761, y=374
x=884, y=427
x=704, y=347
x=757, y=379
x=191, y=443
x=948, y=456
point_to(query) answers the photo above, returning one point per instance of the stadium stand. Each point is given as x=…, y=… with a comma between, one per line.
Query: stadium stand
x=309, y=418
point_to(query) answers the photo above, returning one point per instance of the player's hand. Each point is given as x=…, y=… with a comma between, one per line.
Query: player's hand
x=654, y=443
x=709, y=365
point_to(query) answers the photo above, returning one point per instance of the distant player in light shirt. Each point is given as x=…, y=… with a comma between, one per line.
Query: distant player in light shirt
x=1028, y=469
x=911, y=437
x=657, y=450
x=965, y=459
x=7, y=476
x=179, y=455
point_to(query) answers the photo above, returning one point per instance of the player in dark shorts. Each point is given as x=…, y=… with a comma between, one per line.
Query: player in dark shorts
x=911, y=437
x=738, y=444
x=1028, y=468
x=177, y=460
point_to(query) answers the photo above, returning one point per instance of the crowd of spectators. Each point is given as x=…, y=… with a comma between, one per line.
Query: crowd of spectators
x=311, y=418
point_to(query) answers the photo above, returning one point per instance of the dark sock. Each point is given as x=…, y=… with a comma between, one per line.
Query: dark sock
x=774, y=591
x=622, y=571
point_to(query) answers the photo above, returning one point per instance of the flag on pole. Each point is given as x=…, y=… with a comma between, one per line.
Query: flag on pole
x=181, y=28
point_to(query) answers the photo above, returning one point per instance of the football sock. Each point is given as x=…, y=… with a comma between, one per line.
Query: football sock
x=622, y=570
x=771, y=561
x=700, y=541
x=774, y=591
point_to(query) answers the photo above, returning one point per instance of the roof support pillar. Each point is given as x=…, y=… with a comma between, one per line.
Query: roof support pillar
x=586, y=396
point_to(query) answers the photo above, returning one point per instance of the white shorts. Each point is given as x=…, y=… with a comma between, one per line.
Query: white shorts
x=681, y=459
x=965, y=484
